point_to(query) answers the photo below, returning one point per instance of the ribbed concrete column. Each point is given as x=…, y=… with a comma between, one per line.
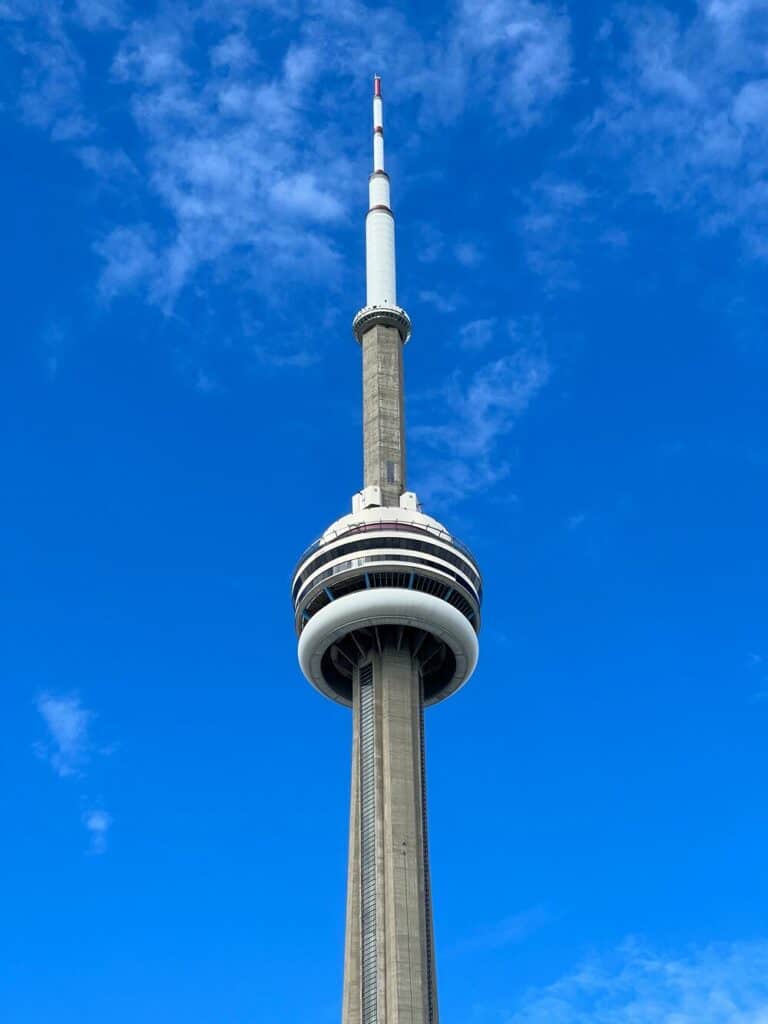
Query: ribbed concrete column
x=352, y=1001
x=397, y=916
x=383, y=413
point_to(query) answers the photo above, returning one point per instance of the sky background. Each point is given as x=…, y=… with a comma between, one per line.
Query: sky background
x=582, y=204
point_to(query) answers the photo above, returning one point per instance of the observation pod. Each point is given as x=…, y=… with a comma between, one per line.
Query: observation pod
x=381, y=577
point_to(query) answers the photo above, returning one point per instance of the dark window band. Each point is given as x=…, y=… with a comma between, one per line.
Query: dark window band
x=372, y=560
x=388, y=543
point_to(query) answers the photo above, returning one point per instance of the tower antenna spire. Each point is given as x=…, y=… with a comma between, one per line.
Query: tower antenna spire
x=380, y=273
x=378, y=126
x=381, y=279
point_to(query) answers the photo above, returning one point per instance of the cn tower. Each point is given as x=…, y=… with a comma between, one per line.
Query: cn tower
x=387, y=611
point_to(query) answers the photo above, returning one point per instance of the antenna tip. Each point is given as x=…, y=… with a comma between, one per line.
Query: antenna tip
x=377, y=85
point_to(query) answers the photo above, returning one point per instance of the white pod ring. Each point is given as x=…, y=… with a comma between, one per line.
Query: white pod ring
x=365, y=609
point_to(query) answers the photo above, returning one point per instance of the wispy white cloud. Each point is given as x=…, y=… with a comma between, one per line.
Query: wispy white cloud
x=49, y=93
x=299, y=358
x=466, y=453
x=507, y=932
x=576, y=520
x=230, y=137
x=468, y=254
x=53, y=339
x=431, y=246
x=514, y=55
x=682, y=120
x=232, y=156
x=108, y=165
x=69, y=746
x=130, y=259
x=101, y=14
x=442, y=303
x=477, y=334
x=522, y=53
x=69, y=749
x=685, y=112
x=757, y=668
x=98, y=823
x=234, y=150
x=430, y=242
x=716, y=985
x=563, y=223
x=555, y=211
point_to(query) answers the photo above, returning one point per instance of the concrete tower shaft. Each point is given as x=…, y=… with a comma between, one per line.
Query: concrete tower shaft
x=389, y=968
x=384, y=470
x=387, y=612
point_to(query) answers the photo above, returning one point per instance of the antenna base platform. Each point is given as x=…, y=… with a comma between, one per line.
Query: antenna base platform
x=390, y=316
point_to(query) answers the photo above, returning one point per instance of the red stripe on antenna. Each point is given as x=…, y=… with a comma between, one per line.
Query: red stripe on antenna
x=376, y=85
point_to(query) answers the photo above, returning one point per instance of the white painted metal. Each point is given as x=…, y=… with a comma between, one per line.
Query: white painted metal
x=390, y=606
x=409, y=500
x=371, y=518
x=381, y=287
x=378, y=152
x=378, y=190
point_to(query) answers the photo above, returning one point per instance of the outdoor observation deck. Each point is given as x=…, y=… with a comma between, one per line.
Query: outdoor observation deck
x=387, y=575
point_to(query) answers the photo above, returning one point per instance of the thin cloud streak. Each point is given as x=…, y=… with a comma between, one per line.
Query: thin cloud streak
x=69, y=750
x=228, y=137
x=510, y=931
x=68, y=724
x=97, y=823
x=725, y=984
x=556, y=210
x=465, y=454
x=478, y=334
x=686, y=113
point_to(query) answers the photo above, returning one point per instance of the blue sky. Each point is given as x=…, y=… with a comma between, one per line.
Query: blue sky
x=582, y=203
